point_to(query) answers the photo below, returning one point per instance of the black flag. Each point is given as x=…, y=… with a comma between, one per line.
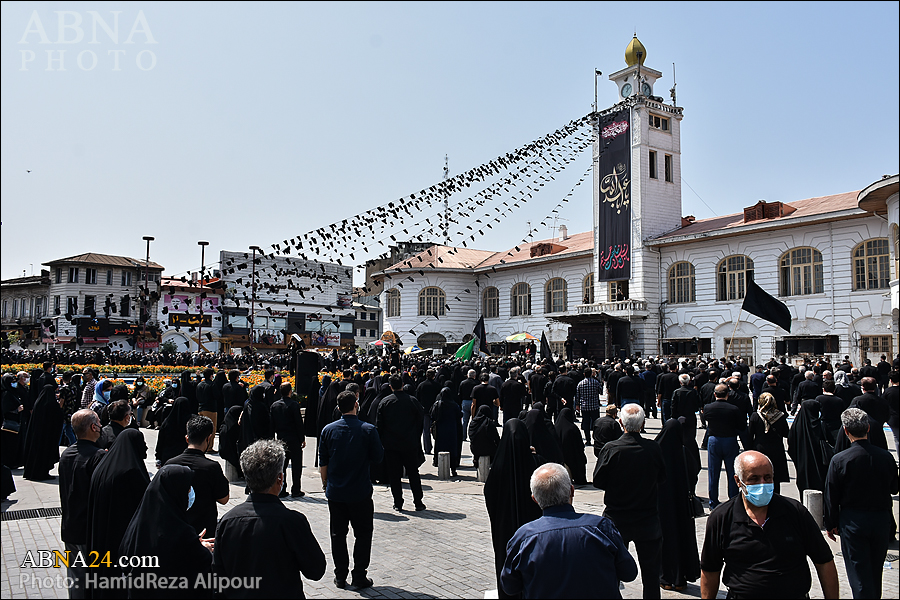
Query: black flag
x=481, y=334
x=545, y=347
x=758, y=302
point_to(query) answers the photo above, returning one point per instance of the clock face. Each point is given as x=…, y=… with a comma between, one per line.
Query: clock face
x=645, y=89
x=626, y=90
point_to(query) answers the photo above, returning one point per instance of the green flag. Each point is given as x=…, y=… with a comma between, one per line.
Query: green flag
x=465, y=351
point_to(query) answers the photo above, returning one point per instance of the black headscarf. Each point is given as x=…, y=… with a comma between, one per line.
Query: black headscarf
x=572, y=445
x=507, y=491
x=171, y=442
x=542, y=435
x=160, y=528
x=680, y=559
x=42, y=435
x=117, y=487
x=808, y=447
x=483, y=437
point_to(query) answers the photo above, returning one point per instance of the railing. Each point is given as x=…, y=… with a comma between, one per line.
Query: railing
x=623, y=306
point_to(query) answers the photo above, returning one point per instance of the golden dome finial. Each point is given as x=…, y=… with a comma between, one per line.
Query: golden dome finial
x=631, y=52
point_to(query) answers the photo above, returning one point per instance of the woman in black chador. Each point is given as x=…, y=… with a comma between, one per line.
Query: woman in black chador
x=680, y=559
x=117, y=487
x=809, y=448
x=171, y=441
x=483, y=437
x=447, y=417
x=507, y=491
x=159, y=528
x=572, y=446
x=42, y=436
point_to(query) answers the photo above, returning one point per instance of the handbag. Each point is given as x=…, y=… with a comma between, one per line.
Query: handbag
x=11, y=426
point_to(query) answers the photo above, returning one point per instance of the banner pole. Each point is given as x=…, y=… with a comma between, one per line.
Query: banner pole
x=731, y=340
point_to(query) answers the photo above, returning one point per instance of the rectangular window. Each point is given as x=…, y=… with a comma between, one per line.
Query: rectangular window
x=72, y=305
x=4, y=308
x=89, y=305
x=653, y=174
x=56, y=301
x=109, y=277
x=873, y=346
x=58, y=274
x=73, y=274
x=15, y=308
x=657, y=122
x=669, y=168
x=125, y=306
x=373, y=316
x=618, y=291
x=39, y=307
x=126, y=278
x=740, y=347
x=90, y=276
x=371, y=333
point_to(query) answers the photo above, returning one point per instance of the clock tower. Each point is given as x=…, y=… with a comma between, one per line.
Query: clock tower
x=631, y=304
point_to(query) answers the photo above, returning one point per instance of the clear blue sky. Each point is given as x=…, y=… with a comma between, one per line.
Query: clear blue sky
x=259, y=122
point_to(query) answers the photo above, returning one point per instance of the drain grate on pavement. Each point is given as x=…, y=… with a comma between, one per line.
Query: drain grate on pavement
x=33, y=513
x=891, y=557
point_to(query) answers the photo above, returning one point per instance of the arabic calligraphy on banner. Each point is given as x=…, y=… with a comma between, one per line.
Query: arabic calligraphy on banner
x=614, y=196
x=187, y=320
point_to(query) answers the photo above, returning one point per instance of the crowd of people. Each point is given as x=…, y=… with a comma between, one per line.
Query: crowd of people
x=375, y=418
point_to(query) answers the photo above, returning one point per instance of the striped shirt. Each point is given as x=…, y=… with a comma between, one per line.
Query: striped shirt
x=587, y=394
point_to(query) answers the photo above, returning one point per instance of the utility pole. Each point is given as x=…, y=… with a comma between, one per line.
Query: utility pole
x=203, y=246
x=146, y=296
x=253, y=296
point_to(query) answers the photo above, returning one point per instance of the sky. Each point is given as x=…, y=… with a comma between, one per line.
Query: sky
x=251, y=123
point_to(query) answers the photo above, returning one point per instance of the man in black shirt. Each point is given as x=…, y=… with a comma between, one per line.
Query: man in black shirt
x=629, y=388
x=512, y=395
x=465, y=398
x=120, y=413
x=235, y=391
x=484, y=394
x=287, y=426
x=858, y=492
x=426, y=393
x=564, y=387
x=209, y=483
x=263, y=541
x=666, y=384
x=632, y=501
x=763, y=562
x=871, y=402
x=723, y=422
x=398, y=420
x=76, y=465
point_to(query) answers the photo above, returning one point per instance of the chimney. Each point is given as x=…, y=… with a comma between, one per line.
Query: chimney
x=563, y=232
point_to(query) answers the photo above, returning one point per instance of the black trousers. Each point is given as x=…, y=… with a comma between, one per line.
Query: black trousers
x=865, y=536
x=649, y=554
x=587, y=422
x=395, y=462
x=360, y=516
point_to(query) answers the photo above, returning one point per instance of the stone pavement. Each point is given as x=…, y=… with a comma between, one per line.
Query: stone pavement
x=442, y=552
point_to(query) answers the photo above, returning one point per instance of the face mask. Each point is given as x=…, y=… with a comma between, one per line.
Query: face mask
x=759, y=494
x=191, y=497
x=15, y=384
x=139, y=384
x=106, y=395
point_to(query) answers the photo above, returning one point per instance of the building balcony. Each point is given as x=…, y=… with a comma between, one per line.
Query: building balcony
x=623, y=309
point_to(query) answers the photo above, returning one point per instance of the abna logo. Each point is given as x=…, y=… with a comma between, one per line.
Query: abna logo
x=70, y=30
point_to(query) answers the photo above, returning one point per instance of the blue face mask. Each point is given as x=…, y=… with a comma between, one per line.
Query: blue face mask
x=106, y=396
x=759, y=494
x=191, y=497
x=15, y=384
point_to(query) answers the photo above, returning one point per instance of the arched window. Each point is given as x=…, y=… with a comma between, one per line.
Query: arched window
x=555, y=296
x=681, y=283
x=587, y=289
x=431, y=301
x=871, y=265
x=431, y=340
x=520, y=304
x=802, y=272
x=490, y=303
x=393, y=303
x=734, y=273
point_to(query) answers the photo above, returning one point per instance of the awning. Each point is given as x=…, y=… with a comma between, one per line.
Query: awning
x=60, y=339
x=95, y=340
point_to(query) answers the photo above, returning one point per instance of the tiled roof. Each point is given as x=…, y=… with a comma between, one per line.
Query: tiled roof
x=447, y=257
x=92, y=258
x=804, y=208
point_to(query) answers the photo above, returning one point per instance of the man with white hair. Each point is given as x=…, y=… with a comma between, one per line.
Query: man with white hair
x=630, y=470
x=545, y=558
x=763, y=539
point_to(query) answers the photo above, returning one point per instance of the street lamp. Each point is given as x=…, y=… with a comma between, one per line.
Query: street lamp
x=203, y=246
x=148, y=239
x=253, y=294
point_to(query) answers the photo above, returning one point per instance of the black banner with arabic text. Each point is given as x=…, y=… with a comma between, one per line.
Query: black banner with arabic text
x=614, y=214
